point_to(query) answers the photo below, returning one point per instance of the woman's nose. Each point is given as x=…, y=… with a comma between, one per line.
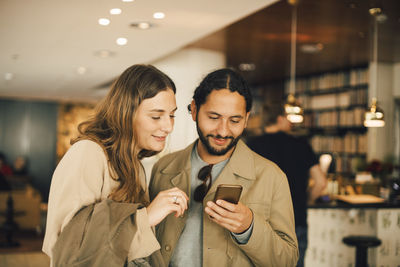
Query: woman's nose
x=168, y=124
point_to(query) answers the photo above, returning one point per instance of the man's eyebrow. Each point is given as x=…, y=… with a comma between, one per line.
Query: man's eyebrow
x=213, y=113
x=237, y=116
x=217, y=114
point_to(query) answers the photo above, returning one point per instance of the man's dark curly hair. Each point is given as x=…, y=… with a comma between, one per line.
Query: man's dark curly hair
x=222, y=79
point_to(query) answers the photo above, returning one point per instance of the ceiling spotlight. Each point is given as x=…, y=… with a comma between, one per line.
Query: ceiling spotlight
x=104, y=21
x=375, y=11
x=247, y=66
x=158, y=15
x=353, y=5
x=122, y=41
x=115, y=11
x=128, y=1
x=8, y=76
x=143, y=25
x=104, y=53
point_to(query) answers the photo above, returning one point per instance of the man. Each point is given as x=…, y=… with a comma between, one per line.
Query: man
x=259, y=230
x=297, y=159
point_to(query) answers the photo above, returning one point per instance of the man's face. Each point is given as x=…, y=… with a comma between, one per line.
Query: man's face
x=220, y=121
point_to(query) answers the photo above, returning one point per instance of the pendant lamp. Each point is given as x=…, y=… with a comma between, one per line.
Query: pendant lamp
x=293, y=110
x=374, y=116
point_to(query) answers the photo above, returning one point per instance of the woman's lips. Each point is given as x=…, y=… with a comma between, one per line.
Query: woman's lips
x=160, y=138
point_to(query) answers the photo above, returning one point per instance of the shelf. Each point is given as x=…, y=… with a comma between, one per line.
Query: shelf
x=334, y=90
x=349, y=107
x=332, y=130
x=350, y=154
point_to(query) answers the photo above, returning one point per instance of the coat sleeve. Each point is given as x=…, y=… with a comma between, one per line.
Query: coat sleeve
x=80, y=179
x=77, y=182
x=144, y=242
x=273, y=241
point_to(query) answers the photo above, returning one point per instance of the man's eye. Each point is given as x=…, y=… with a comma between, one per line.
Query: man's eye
x=233, y=121
x=155, y=118
x=172, y=116
x=214, y=118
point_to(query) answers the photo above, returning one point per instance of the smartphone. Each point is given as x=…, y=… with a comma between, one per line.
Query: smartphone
x=228, y=192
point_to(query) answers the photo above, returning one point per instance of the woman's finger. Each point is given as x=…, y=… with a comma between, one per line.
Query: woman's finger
x=178, y=197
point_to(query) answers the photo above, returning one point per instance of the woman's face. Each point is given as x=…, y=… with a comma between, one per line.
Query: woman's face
x=155, y=120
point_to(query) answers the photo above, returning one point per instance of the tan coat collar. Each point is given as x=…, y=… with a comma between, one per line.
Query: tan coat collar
x=181, y=162
x=240, y=161
x=240, y=165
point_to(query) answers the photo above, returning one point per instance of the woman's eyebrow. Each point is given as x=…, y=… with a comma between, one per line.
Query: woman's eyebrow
x=162, y=110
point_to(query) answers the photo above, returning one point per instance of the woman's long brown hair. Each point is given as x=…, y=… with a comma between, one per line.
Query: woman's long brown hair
x=112, y=127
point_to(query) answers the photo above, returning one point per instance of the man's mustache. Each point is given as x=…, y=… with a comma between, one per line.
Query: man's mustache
x=220, y=137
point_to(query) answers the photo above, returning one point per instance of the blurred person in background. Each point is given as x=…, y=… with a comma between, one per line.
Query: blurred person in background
x=5, y=169
x=296, y=158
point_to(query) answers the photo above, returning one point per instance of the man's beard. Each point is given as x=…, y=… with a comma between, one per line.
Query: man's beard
x=211, y=150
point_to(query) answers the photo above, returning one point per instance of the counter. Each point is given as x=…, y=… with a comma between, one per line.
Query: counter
x=328, y=223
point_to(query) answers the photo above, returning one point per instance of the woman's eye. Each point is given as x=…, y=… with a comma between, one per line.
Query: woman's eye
x=172, y=116
x=155, y=118
x=235, y=121
x=214, y=118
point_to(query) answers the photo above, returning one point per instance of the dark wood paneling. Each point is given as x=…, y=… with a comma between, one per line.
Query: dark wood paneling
x=343, y=27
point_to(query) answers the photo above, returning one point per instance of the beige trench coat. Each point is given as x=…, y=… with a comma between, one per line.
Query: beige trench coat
x=265, y=191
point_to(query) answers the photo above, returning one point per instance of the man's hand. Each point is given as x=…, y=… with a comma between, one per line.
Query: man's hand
x=235, y=218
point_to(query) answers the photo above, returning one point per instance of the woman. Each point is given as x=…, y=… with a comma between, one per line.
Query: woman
x=132, y=122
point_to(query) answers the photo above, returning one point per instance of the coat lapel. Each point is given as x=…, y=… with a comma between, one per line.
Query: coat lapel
x=239, y=170
x=178, y=171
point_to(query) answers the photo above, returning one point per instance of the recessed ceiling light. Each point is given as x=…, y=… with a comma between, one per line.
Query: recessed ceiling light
x=81, y=70
x=122, y=41
x=8, y=76
x=158, y=15
x=104, y=53
x=104, y=21
x=247, y=66
x=115, y=11
x=143, y=25
x=128, y=1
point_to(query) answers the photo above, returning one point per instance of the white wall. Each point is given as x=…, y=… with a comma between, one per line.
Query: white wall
x=186, y=67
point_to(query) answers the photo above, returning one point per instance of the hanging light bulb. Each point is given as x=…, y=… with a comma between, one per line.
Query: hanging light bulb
x=294, y=112
x=374, y=116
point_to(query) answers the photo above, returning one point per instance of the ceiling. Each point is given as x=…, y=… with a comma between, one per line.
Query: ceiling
x=45, y=42
x=52, y=49
x=342, y=27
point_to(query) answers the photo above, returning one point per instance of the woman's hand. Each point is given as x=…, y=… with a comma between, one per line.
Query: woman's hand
x=166, y=202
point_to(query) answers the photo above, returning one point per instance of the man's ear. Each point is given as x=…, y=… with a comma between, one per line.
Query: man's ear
x=193, y=110
x=247, y=119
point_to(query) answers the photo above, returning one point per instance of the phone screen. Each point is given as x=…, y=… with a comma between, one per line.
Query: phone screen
x=228, y=192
